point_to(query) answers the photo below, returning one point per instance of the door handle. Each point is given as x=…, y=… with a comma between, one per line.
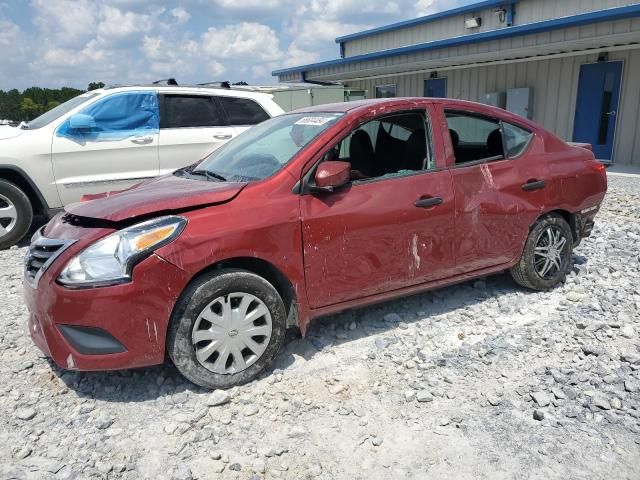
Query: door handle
x=534, y=185
x=611, y=113
x=222, y=136
x=428, y=202
x=141, y=140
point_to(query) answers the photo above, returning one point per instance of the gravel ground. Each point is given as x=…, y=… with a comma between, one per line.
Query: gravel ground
x=481, y=380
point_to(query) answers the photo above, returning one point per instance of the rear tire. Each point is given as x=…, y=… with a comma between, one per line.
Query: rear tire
x=547, y=254
x=245, y=326
x=16, y=214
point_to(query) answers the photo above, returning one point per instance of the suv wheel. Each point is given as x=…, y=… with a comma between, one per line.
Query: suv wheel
x=16, y=214
x=546, y=258
x=226, y=328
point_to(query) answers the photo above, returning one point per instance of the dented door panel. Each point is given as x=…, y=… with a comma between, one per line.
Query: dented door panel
x=372, y=238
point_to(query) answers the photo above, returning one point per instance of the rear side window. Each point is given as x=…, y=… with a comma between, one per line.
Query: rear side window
x=474, y=138
x=516, y=139
x=184, y=111
x=243, y=111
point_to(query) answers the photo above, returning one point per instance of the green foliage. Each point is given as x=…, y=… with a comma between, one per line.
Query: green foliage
x=95, y=85
x=34, y=101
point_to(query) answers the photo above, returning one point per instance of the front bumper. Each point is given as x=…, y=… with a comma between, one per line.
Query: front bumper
x=106, y=328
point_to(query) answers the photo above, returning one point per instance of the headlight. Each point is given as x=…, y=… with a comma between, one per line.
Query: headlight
x=111, y=259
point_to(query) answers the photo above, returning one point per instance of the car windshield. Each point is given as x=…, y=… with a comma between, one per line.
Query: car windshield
x=264, y=149
x=55, y=113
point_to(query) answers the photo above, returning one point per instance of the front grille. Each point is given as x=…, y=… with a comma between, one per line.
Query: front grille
x=42, y=252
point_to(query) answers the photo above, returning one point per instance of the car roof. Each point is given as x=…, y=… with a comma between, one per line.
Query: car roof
x=361, y=106
x=196, y=89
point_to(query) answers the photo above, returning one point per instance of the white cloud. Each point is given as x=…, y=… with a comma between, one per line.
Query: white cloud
x=181, y=15
x=73, y=42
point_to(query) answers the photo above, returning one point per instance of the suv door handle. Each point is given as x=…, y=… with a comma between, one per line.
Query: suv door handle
x=142, y=139
x=222, y=136
x=428, y=202
x=534, y=185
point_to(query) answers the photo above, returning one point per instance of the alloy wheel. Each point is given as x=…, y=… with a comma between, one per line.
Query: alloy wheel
x=8, y=215
x=549, y=253
x=231, y=333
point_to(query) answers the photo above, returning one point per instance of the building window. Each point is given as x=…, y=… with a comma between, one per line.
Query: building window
x=385, y=91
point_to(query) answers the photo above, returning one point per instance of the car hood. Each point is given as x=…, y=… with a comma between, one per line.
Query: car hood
x=164, y=194
x=9, y=132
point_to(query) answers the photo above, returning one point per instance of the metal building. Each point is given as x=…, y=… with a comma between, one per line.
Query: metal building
x=570, y=65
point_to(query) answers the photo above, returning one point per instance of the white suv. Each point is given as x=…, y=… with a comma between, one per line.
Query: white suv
x=112, y=138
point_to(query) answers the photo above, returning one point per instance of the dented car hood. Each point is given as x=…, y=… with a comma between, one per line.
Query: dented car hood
x=163, y=194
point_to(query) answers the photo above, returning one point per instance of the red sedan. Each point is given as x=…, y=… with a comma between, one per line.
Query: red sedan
x=304, y=215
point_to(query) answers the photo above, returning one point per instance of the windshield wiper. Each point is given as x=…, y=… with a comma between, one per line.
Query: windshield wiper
x=209, y=175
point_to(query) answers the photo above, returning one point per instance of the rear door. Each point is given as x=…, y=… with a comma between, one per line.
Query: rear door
x=500, y=188
x=191, y=127
x=119, y=151
x=392, y=227
x=242, y=113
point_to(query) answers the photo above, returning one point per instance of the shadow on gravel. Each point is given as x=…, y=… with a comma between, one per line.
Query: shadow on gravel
x=164, y=381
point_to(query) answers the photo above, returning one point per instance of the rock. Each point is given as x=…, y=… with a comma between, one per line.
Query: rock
x=26, y=413
x=601, y=401
x=627, y=331
x=218, y=397
x=630, y=357
x=558, y=393
x=236, y=467
x=314, y=470
x=392, y=318
x=494, y=400
x=251, y=410
x=424, y=396
x=538, y=415
x=631, y=386
x=541, y=398
x=410, y=395
x=592, y=350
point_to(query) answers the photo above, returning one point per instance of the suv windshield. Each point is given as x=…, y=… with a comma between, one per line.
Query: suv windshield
x=55, y=113
x=264, y=149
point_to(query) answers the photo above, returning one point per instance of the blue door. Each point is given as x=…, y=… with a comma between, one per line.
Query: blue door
x=435, y=87
x=597, y=107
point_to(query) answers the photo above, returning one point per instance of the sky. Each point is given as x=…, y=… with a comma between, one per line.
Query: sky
x=55, y=43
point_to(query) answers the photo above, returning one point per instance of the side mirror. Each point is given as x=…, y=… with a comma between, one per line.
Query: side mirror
x=332, y=174
x=82, y=121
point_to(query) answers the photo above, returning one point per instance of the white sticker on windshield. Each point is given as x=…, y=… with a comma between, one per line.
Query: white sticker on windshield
x=314, y=121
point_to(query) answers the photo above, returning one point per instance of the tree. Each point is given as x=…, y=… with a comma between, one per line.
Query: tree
x=30, y=109
x=95, y=86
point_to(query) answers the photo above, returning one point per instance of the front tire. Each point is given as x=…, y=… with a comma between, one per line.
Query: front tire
x=546, y=258
x=16, y=214
x=227, y=326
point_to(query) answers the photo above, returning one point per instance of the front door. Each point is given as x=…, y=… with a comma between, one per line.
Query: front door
x=117, y=148
x=435, y=88
x=392, y=228
x=597, y=107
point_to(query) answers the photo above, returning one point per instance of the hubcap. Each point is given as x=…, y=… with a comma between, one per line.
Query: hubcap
x=8, y=215
x=231, y=333
x=549, y=253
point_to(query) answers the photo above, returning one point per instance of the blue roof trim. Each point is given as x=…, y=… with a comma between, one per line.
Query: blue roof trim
x=429, y=18
x=528, y=29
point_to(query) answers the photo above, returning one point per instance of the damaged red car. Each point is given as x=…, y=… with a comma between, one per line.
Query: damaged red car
x=306, y=214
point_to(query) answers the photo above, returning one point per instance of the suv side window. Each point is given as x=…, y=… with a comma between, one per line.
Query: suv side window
x=394, y=145
x=118, y=116
x=184, y=111
x=474, y=137
x=243, y=111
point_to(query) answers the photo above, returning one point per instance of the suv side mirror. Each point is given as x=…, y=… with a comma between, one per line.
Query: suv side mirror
x=82, y=121
x=331, y=175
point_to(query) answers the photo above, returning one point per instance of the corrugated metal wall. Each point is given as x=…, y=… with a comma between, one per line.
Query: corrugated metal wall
x=527, y=11
x=624, y=31
x=555, y=85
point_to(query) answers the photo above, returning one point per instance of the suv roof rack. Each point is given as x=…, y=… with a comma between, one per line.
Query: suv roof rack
x=166, y=81
x=221, y=84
